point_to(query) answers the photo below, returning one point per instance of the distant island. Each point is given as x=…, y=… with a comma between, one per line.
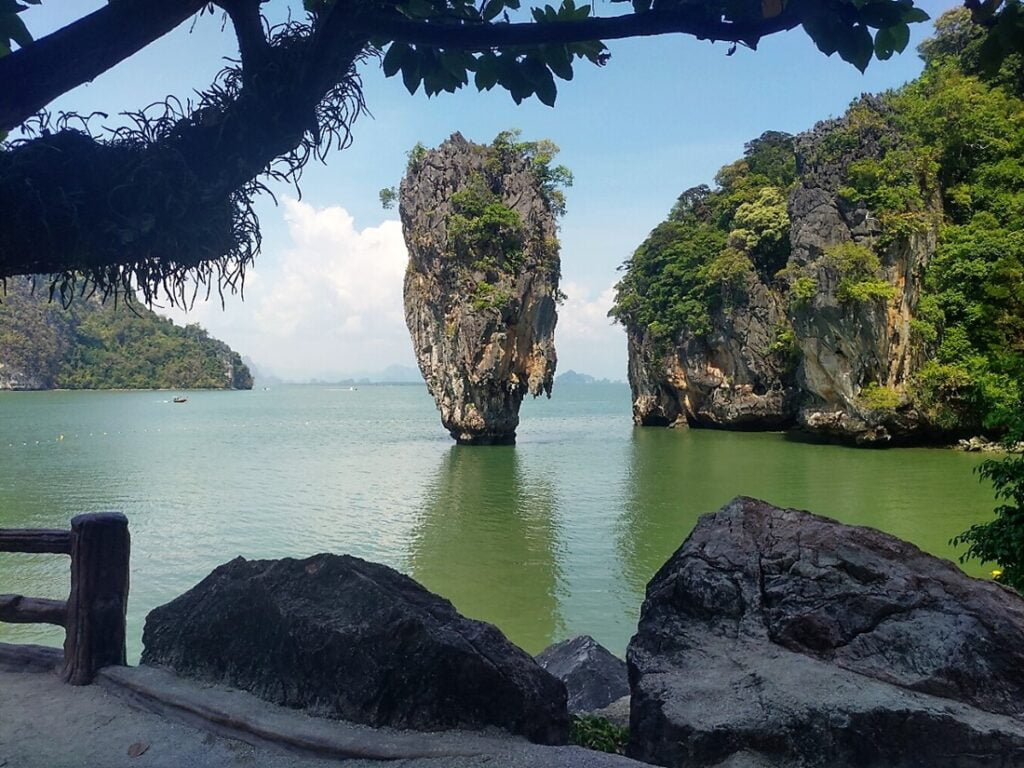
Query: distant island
x=572, y=377
x=96, y=345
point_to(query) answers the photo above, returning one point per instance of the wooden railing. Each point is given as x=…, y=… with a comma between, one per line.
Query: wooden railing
x=93, y=616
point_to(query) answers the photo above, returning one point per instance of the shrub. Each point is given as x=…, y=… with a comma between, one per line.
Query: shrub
x=859, y=271
x=1001, y=541
x=875, y=397
x=598, y=734
x=803, y=290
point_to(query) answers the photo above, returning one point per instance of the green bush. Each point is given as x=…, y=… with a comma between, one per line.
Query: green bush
x=484, y=232
x=711, y=239
x=488, y=296
x=803, y=290
x=859, y=273
x=1001, y=541
x=598, y=734
x=875, y=397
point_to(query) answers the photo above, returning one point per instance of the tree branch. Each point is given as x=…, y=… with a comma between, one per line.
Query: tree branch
x=478, y=37
x=248, y=23
x=33, y=76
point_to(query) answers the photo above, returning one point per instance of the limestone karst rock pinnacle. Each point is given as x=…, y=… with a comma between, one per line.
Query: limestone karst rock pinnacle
x=481, y=288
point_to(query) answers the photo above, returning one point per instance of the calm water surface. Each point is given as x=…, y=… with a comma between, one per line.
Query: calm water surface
x=553, y=537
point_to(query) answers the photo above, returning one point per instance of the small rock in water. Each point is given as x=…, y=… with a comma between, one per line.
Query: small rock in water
x=593, y=676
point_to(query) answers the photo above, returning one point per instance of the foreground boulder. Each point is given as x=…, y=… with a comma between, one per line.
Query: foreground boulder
x=593, y=676
x=776, y=637
x=341, y=637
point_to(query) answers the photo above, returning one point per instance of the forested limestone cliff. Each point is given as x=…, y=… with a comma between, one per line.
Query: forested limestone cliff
x=94, y=345
x=863, y=281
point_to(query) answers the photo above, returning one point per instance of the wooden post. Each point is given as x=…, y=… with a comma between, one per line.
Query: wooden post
x=100, y=555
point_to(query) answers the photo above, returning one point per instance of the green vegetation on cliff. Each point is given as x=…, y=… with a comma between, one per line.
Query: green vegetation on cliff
x=710, y=240
x=951, y=141
x=91, y=345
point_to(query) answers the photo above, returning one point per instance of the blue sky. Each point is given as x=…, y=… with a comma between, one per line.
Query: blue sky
x=325, y=297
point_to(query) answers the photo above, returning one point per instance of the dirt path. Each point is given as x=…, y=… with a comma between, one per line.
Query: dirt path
x=47, y=724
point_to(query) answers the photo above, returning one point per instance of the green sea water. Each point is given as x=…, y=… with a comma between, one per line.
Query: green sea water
x=553, y=537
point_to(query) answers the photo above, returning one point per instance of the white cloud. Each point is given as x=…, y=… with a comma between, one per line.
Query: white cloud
x=327, y=305
x=583, y=317
x=586, y=339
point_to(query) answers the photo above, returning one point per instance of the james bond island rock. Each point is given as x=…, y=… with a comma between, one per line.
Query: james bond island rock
x=97, y=345
x=594, y=677
x=345, y=638
x=481, y=288
x=774, y=637
x=849, y=282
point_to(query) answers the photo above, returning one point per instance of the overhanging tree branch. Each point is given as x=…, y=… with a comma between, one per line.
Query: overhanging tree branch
x=485, y=36
x=32, y=77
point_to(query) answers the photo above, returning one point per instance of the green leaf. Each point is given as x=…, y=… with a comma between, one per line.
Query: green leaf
x=486, y=72
x=900, y=36
x=539, y=76
x=884, y=45
x=418, y=9
x=559, y=60
x=411, y=74
x=915, y=16
x=13, y=28
x=492, y=8
x=856, y=46
x=396, y=55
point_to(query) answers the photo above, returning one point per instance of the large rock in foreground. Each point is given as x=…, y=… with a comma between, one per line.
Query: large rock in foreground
x=345, y=638
x=776, y=637
x=594, y=677
x=482, y=282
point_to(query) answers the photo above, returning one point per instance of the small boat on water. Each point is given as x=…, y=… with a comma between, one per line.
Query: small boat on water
x=180, y=400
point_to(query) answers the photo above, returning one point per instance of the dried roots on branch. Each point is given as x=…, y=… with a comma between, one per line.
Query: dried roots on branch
x=164, y=203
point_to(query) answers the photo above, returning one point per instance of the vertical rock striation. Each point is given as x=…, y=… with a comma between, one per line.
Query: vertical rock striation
x=482, y=282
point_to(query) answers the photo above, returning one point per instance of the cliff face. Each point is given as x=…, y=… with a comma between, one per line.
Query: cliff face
x=91, y=345
x=482, y=283
x=818, y=340
x=847, y=346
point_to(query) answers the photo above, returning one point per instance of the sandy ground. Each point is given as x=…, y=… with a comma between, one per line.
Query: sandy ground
x=47, y=724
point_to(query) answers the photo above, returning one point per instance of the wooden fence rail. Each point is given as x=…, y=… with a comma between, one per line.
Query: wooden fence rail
x=94, y=615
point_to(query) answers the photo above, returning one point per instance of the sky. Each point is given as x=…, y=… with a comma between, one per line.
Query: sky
x=324, y=299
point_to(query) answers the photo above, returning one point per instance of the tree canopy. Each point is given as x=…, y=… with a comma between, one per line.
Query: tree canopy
x=166, y=202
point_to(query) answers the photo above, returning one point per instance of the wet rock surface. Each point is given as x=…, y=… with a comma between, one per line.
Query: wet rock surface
x=776, y=637
x=481, y=313
x=594, y=677
x=344, y=638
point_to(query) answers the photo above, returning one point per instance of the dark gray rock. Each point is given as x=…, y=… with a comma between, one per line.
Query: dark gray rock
x=616, y=713
x=341, y=637
x=776, y=636
x=594, y=677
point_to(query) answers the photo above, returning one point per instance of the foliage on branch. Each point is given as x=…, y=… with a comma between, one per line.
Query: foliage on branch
x=434, y=45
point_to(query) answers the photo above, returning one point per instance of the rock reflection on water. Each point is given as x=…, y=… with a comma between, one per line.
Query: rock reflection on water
x=487, y=541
